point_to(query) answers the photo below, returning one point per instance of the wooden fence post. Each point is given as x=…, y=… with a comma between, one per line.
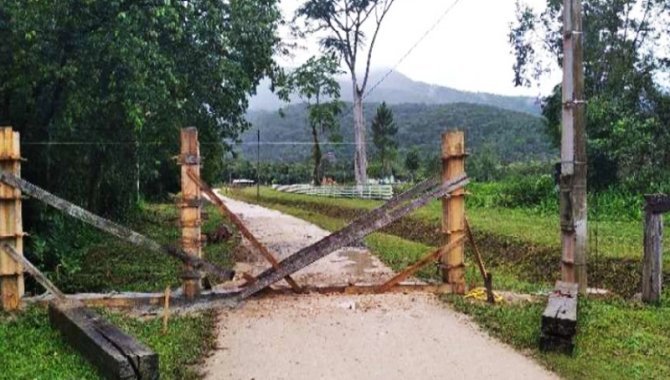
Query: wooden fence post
x=11, y=223
x=453, y=211
x=190, y=205
x=652, y=272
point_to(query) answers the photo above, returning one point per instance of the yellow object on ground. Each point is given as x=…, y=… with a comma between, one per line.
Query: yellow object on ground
x=479, y=294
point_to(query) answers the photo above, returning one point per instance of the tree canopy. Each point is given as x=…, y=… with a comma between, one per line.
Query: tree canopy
x=98, y=86
x=626, y=51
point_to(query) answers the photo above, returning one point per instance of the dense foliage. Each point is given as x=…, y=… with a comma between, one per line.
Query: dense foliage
x=628, y=111
x=508, y=136
x=99, y=89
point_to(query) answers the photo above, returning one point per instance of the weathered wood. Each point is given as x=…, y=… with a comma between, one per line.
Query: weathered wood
x=114, y=353
x=30, y=268
x=241, y=227
x=189, y=212
x=559, y=320
x=410, y=270
x=573, y=211
x=11, y=224
x=453, y=211
x=486, y=276
x=652, y=266
x=112, y=228
x=657, y=203
x=350, y=234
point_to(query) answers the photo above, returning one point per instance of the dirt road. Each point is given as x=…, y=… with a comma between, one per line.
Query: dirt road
x=393, y=336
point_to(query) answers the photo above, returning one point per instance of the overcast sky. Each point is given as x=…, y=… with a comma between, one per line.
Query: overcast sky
x=468, y=50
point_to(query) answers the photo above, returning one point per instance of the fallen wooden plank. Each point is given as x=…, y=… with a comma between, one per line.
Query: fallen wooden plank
x=550, y=343
x=350, y=234
x=114, y=353
x=241, y=227
x=30, y=268
x=410, y=270
x=113, y=228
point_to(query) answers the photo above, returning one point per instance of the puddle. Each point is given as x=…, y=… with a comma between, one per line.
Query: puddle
x=359, y=262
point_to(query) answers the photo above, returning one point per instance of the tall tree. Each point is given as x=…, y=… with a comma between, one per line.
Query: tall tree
x=384, y=130
x=315, y=83
x=344, y=22
x=413, y=161
x=626, y=50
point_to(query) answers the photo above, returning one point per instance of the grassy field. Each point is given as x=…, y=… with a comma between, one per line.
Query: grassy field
x=618, y=339
x=30, y=349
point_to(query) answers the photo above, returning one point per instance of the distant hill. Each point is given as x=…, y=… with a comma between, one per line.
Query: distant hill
x=513, y=136
x=398, y=89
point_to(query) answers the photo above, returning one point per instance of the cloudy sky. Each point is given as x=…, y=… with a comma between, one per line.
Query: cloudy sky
x=468, y=50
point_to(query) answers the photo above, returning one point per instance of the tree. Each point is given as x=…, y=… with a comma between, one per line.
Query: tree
x=383, y=136
x=315, y=82
x=625, y=51
x=344, y=22
x=413, y=161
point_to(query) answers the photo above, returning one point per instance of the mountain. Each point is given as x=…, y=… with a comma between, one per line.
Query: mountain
x=512, y=136
x=396, y=88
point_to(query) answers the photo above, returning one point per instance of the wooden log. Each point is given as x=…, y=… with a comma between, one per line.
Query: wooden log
x=241, y=227
x=410, y=270
x=453, y=211
x=114, y=353
x=488, y=279
x=559, y=320
x=30, y=268
x=112, y=228
x=348, y=235
x=11, y=224
x=652, y=266
x=190, y=210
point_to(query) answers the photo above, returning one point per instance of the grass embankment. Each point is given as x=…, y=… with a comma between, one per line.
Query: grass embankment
x=520, y=242
x=29, y=348
x=617, y=338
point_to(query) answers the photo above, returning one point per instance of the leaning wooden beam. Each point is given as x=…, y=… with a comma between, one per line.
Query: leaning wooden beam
x=347, y=235
x=115, y=354
x=30, y=268
x=410, y=270
x=488, y=280
x=240, y=226
x=113, y=228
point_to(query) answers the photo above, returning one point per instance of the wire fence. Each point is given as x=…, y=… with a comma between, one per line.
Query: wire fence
x=383, y=192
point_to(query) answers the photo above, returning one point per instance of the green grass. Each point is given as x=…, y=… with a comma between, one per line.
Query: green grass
x=31, y=349
x=617, y=339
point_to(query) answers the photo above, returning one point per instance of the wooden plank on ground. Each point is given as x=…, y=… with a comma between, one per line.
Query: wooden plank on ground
x=114, y=353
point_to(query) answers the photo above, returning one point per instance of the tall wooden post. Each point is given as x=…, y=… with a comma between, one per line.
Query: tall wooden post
x=453, y=211
x=11, y=223
x=652, y=265
x=190, y=204
x=573, y=211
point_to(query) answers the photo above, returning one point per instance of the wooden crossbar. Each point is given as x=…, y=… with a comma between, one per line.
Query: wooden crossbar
x=110, y=227
x=370, y=222
x=241, y=227
x=30, y=268
x=410, y=270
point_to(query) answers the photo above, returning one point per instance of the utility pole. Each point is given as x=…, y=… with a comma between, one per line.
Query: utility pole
x=573, y=209
x=258, y=165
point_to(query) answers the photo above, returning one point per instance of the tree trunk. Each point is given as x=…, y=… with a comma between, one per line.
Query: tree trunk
x=316, y=155
x=360, y=158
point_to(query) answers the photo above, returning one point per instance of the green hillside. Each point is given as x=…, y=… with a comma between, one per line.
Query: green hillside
x=512, y=136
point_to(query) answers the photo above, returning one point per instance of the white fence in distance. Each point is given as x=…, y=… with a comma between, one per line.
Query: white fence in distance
x=362, y=192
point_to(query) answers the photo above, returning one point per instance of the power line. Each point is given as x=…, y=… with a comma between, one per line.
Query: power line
x=411, y=49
